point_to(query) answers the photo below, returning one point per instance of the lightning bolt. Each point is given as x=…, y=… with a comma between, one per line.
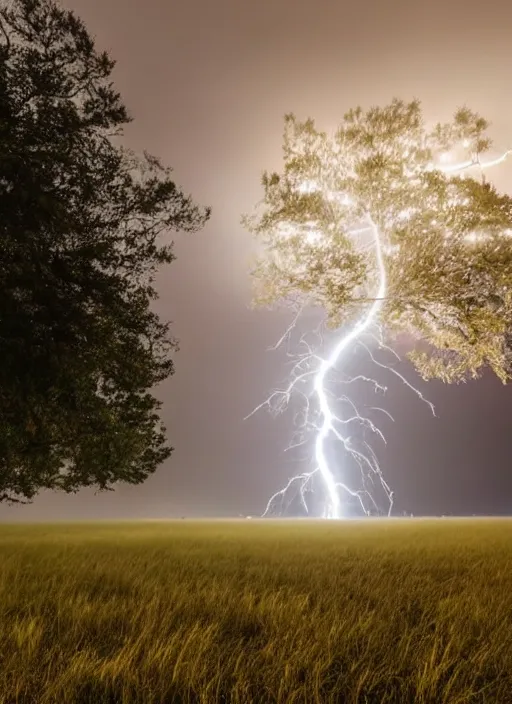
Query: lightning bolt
x=330, y=420
x=311, y=366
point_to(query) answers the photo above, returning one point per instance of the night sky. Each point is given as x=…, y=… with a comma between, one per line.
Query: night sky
x=208, y=83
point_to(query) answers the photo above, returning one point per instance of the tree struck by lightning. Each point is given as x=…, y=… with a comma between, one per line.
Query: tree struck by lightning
x=389, y=228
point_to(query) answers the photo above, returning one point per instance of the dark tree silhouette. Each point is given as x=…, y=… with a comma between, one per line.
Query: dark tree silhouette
x=80, y=242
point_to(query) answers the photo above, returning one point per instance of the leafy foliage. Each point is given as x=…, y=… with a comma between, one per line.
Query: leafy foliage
x=80, y=243
x=444, y=231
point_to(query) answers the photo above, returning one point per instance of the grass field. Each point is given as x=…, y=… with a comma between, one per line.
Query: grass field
x=251, y=611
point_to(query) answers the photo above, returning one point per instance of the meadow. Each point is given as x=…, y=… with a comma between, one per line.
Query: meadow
x=379, y=611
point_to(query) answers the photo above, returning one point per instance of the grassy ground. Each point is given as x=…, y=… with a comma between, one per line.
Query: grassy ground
x=377, y=611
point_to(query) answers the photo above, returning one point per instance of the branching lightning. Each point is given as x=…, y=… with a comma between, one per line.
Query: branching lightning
x=311, y=380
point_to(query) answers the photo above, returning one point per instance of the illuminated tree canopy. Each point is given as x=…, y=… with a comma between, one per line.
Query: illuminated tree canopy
x=387, y=208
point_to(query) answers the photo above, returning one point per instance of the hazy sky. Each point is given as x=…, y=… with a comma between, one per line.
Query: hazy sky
x=208, y=83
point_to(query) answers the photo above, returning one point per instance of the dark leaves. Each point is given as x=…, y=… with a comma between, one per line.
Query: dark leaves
x=80, y=242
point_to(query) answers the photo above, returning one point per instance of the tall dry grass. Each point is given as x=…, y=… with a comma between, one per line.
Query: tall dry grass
x=377, y=611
